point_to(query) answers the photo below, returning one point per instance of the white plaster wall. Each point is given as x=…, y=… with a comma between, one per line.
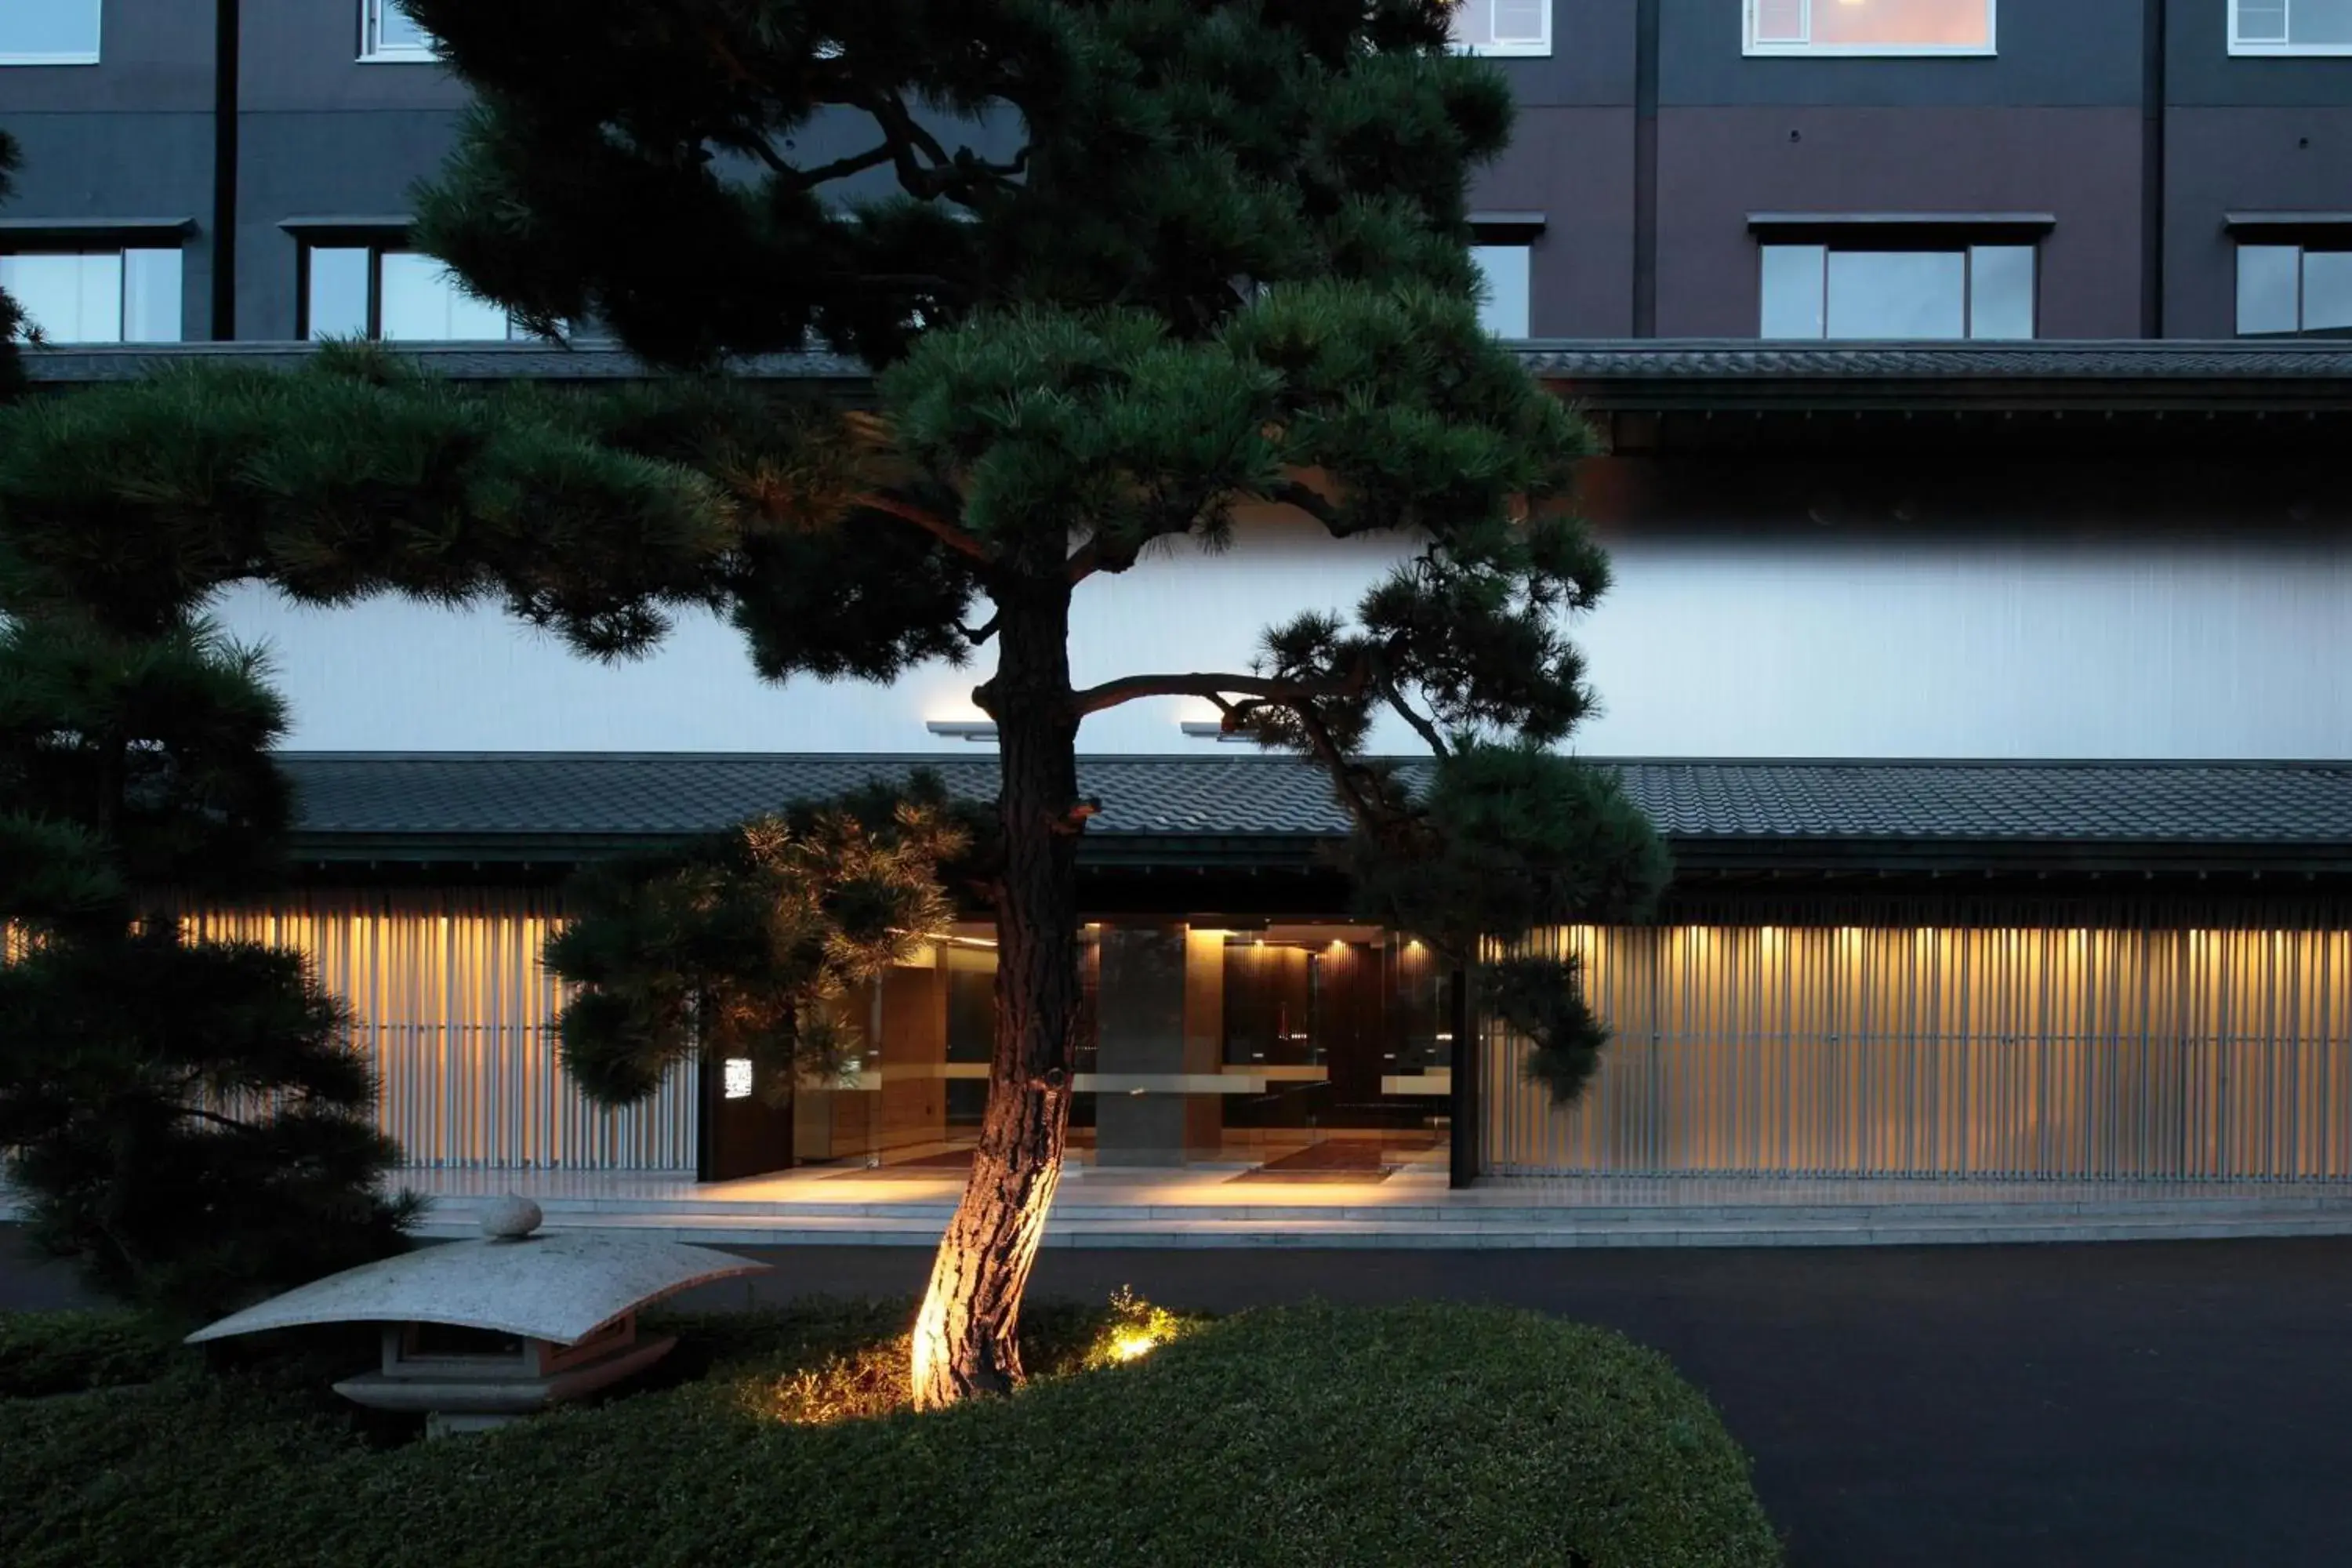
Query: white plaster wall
x=1756, y=646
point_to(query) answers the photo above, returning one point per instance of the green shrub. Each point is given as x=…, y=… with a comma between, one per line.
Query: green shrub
x=66, y=1352
x=1307, y=1434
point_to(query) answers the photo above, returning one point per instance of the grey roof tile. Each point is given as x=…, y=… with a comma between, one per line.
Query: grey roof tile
x=563, y=794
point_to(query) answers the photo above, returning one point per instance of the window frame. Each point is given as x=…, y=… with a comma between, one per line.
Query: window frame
x=1882, y=242
x=2287, y=48
x=74, y=57
x=1541, y=51
x=377, y=244
x=2302, y=246
x=1753, y=48
x=122, y=249
x=372, y=49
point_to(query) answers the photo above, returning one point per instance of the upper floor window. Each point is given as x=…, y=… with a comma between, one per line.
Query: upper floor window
x=2290, y=26
x=1503, y=26
x=48, y=32
x=1503, y=301
x=386, y=33
x=97, y=296
x=1825, y=292
x=398, y=295
x=1871, y=26
x=2294, y=288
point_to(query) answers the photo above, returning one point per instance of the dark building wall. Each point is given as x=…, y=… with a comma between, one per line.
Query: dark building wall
x=1717, y=165
x=130, y=137
x=323, y=133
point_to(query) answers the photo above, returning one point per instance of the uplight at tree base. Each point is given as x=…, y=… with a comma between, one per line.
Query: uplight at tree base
x=1131, y=1347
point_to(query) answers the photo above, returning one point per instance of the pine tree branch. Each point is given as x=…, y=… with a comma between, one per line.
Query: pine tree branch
x=1421, y=726
x=873, y=157
x=1310, y=501
x=931, y=523
x=1266, y=688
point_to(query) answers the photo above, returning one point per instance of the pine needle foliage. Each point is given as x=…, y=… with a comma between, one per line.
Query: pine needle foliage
x=186, y=1118
x=745, y=945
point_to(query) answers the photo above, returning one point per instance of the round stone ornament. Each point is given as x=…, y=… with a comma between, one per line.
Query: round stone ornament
x=509, y=1219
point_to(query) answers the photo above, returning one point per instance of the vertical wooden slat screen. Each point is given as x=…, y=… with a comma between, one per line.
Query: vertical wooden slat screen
x=451, y=1005
x=2019, y=1053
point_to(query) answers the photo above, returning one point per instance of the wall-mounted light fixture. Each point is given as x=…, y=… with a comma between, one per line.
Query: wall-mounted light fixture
x=1210, y=729
x=963, y=729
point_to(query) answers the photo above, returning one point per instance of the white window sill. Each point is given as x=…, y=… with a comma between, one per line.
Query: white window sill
x=402, y=57
x=1506, y=51
x=1870, y=51
x=48, y=59
x=2291, y=51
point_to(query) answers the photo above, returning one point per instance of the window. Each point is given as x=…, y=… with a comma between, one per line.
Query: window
x=398, y=295
x=97, y=296
x=1497, y=27
x=2294, y=288
x=1821, y=291
x=48, y=32
x=1503, y=296
x=386, y=33
x=2290, y=26
x=1871, y=26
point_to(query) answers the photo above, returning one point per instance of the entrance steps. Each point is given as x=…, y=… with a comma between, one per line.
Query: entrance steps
x=800, y=1213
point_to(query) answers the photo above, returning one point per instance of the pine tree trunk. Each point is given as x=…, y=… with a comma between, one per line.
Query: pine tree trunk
x=965, y=1339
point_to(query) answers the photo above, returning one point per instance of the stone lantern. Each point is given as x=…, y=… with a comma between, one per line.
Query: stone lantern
x=477, y=1334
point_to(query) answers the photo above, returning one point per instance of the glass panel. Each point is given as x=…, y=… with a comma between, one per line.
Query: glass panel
x=67, y=29
x=1903, y=24
x=1779, y=21
x=2268, y=276
x=1503, y=308
x=395, y=34
x=422, y=302
x=2319, y=23
x=1792, y=292
x=337, y=303
x=1521, y=22
x=1898, y=294
x=2001, y=292
x=68, y=298
x=2327, y=290
x=150, y=295
x=2261, y=21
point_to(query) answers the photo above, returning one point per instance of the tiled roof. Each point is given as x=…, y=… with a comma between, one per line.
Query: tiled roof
x=550, y=796
x=1601, y=361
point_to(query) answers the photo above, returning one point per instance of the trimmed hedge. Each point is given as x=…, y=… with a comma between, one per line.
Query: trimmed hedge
x=66, y=1353
x=1309, y=1434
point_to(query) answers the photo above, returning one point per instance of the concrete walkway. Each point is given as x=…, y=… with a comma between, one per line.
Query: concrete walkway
x=1211, y=1206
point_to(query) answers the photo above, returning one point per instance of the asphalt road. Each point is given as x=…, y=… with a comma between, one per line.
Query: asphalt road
x=2135, y=1406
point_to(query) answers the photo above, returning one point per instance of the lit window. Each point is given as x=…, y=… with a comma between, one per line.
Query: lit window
x=1503, y=288
x=2291, y=289
x=97, y=296
x=1869, y=26
x=1503, y=26
x=386, y=33
x=2290, y=26
x=1821, y=291
x=48, y=32
x=398, y=295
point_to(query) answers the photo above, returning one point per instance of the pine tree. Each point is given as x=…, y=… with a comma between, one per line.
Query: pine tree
x=1124, y=269
x=186, y=1118
x=12, y=318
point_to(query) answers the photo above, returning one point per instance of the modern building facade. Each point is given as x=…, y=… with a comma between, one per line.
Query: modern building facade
x=2061, y=508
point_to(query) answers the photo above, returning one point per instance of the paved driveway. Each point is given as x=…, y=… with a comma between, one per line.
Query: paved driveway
x=2127, y=1405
